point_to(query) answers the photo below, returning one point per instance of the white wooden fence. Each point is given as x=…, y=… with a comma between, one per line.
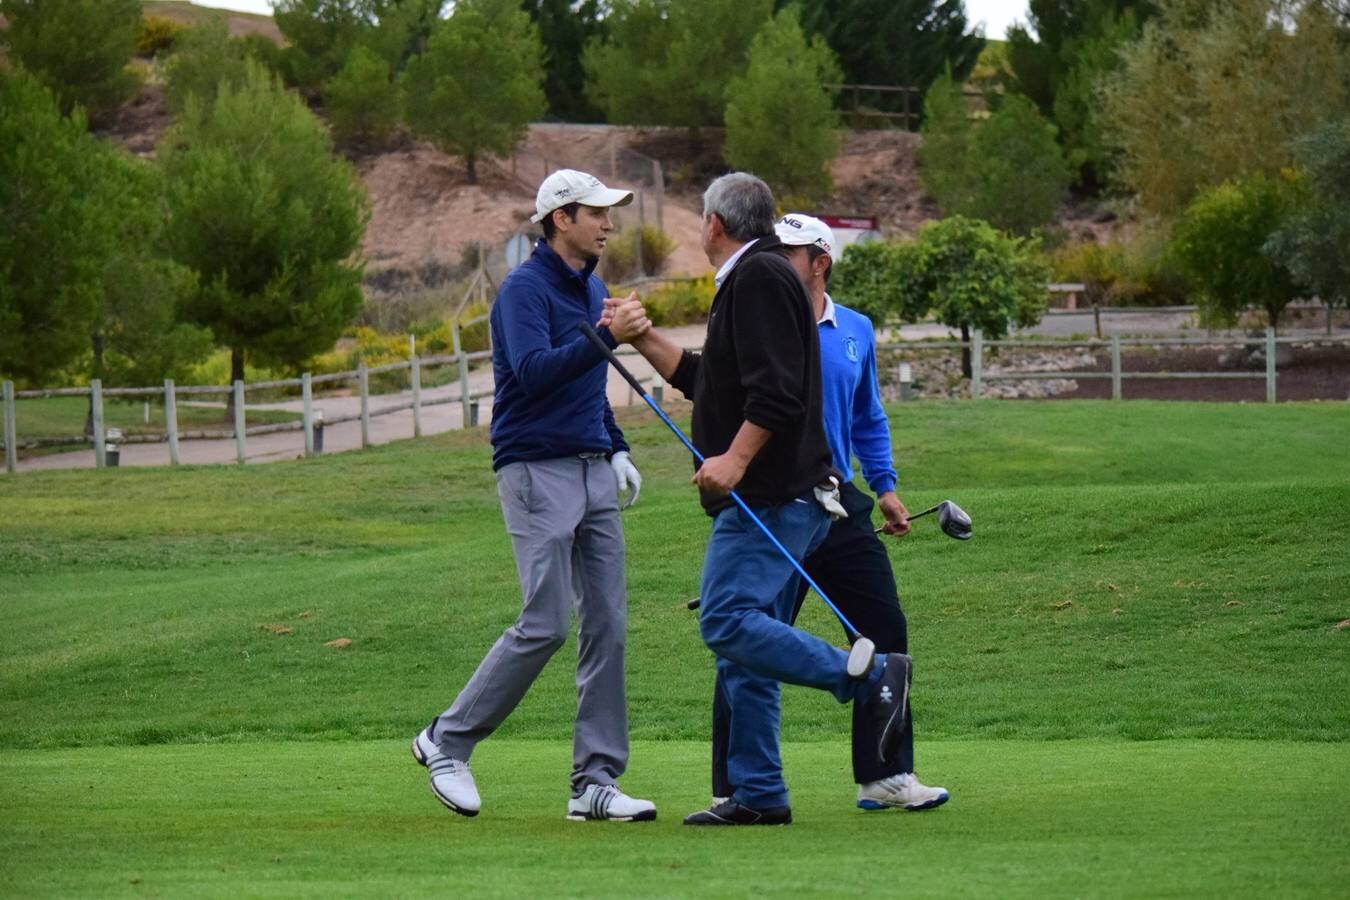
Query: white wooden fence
x=1117, y=374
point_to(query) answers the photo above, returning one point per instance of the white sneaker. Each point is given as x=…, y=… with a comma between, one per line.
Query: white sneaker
x=451, y=780
x=903, y=791
x=606, y=801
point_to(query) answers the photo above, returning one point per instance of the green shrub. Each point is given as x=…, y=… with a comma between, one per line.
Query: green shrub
x=620, y=261
x=1137, y=272
x=1220, y=244
x=680, y=302
x=157, y=33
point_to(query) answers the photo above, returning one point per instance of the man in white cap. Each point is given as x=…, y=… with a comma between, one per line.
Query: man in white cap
x=851, y=564
x=561, y=463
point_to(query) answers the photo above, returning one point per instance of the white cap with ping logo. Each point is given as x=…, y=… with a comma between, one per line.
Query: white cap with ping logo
x=798, y=230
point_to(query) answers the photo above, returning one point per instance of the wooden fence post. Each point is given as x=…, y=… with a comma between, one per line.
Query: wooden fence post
x=239, y=448
x=100, y=443
x=1270, y=365
x=1115, y=367
x=171, y=420
x=307, y=397
x=463, y=363
x=11, y=441
x=363, y=378
x=976, y=363
x=416, y=374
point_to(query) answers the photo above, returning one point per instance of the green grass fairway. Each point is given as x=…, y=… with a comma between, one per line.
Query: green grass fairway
x=1062, y=818
x=1133, y=679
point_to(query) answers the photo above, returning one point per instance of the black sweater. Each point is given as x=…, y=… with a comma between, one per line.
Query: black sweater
x=760, y=363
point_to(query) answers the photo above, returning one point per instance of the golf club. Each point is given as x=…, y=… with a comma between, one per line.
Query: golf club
x=952, y=519
x=863, y=651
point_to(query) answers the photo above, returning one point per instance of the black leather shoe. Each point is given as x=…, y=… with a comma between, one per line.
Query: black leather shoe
x=732, y=813
x=888, y=702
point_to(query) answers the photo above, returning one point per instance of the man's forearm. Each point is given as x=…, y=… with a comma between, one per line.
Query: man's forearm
x=659, y=350
x=750, y=439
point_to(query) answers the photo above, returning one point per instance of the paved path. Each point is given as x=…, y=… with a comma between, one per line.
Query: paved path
x=347, y=435
x=449, y=416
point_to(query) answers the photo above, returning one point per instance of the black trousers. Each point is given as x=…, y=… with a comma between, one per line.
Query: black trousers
x=852, y=567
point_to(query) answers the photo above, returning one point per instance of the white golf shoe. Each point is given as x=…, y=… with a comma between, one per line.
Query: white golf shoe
x=451, y=780
x=900, y=791
x=606, y=801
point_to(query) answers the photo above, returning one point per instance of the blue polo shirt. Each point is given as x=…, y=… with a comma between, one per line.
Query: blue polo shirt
x=855, y=423
x=549, y=400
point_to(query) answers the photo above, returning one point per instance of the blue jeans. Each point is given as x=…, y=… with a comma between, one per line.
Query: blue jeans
x=748, y=593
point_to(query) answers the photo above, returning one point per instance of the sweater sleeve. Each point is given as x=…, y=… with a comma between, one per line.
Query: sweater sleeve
x=770, y=347
x=537, y=364
x=685, y=377
x=616, y=439
x=870, y=429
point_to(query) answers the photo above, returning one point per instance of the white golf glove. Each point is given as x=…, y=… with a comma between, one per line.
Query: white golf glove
x=626, y=476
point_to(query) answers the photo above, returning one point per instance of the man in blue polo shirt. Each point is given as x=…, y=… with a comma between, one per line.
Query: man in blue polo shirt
x=851, y=564
x=561, y=463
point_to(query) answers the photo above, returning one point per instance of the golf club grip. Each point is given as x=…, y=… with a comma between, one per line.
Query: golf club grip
x=594, y=337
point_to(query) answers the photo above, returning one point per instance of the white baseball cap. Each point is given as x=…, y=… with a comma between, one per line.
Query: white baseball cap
x=570, y=186
x=798, y=230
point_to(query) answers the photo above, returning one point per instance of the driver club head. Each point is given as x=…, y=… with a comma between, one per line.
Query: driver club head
x=954, y=521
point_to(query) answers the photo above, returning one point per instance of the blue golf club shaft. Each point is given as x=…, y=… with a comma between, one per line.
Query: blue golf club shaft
x=595, y=338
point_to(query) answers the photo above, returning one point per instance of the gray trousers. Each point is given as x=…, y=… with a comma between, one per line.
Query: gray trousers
x=563, y=518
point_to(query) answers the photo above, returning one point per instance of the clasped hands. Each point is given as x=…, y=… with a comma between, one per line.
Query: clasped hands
x=627, y=321
x=625, y=318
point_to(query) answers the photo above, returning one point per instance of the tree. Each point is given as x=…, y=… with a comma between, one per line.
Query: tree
x=401, y=30
x=867, y=276
x=477, y=86
x=77, y=48
x=1214, y=90
x=784, y=84
x=565, y=27
x=1057, y=60
x=1312, y=243
x=1220, y=240
x=57, y=233
x=962, y=271
x=362, y=100
x=203, y=60
x=319, y=35
x=268, y=219
x=896, y=42
x=670, y=63
x=1006, y=169
x=137, y=336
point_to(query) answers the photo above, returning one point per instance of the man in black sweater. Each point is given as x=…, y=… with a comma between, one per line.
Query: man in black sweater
x=757, y=422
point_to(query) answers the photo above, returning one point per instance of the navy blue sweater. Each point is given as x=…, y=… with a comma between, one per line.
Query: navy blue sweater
x=550, y=394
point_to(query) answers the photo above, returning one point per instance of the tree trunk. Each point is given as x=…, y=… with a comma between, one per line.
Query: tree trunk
x=236, y=374
x=965, y=351
x=1273, y=314
x=471, y=162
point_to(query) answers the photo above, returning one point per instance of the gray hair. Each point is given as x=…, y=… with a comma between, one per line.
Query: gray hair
x=744, y=203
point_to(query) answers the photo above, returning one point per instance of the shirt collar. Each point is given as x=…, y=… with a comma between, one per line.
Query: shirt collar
x=828, y=315
x=730, y=264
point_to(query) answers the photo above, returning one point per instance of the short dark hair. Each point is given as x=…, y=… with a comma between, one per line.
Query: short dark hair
x=570, y=210
x=814, y=253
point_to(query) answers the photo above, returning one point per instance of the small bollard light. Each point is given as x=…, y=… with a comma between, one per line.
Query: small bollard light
x=658, y=393
x=318, y=431
x=906, y=382
x=113, y=454
x=473, y=413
